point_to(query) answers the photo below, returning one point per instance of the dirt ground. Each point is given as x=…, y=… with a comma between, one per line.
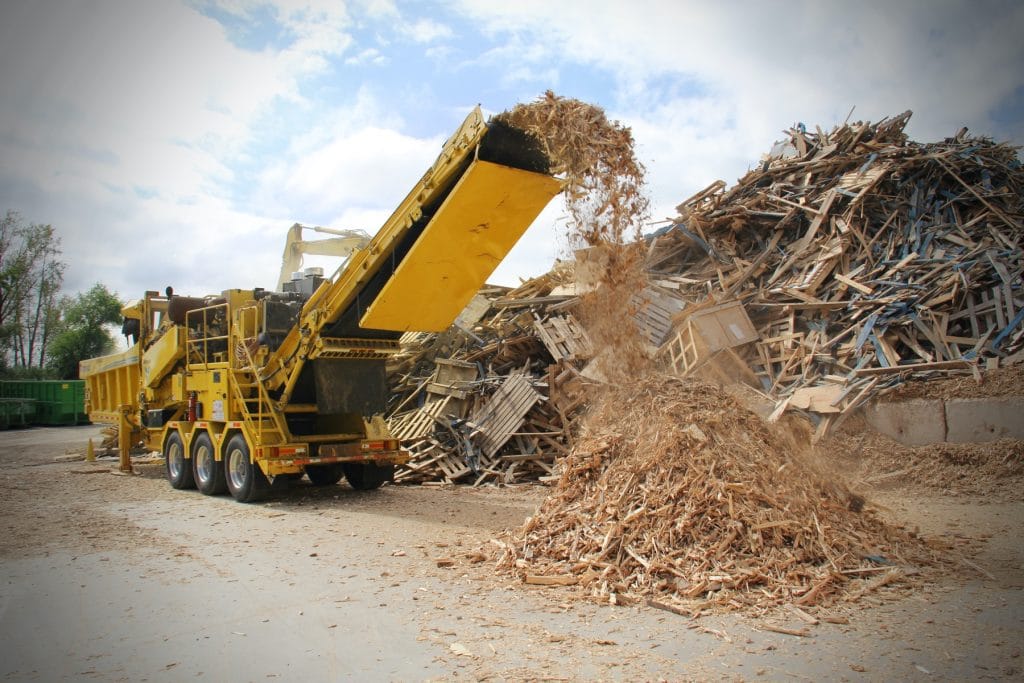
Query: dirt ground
x=109, y=577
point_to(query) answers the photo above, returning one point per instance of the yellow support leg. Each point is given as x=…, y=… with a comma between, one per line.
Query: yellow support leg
x=124, y=439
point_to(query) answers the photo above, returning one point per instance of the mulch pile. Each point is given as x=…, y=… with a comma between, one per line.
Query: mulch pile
x=676, y=492
x=993, y=470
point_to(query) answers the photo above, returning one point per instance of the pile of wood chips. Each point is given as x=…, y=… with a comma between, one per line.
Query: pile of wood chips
x=679, y=494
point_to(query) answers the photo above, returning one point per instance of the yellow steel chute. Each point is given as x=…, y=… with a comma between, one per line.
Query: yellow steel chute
x=477, y=225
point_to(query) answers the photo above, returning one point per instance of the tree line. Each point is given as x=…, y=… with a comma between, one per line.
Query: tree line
x=43, y=332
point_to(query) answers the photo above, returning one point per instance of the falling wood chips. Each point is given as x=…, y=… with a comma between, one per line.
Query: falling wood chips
x=604, y=179
x=605, y=199
x=677, y=492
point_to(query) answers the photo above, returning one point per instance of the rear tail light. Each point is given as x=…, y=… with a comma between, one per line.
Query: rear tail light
x=380, y=445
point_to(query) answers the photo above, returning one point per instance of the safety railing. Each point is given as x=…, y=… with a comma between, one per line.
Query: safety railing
x=207, y=335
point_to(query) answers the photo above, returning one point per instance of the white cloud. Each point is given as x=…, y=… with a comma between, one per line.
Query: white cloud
x=543, y=242
x=688, y=142
x=138, y=117
x=140, y=129
x=320, y=28
x=439, y=52
x=525, y=74
x=370, y=55
x=425, y=30
x=353, y=158
x=757, y=68
x=379, y=9
x=366, y=167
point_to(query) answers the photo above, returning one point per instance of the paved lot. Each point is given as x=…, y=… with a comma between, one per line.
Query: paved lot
x=121, y=578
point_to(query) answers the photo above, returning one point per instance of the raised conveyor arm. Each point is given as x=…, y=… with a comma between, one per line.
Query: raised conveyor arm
x=431, y=256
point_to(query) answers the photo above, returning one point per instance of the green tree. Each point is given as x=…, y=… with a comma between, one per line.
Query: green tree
x=84, y=330
x=31, y=274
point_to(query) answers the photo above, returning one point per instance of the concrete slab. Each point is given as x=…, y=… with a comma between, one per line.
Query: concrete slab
x=913, y=423
x=970, y=420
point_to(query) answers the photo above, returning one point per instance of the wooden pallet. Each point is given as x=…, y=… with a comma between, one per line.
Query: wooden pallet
x=503, y=413
x=563, y=337
x=418, y=423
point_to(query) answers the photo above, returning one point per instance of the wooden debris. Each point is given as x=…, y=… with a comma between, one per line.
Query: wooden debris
x=495, y=403
x=844, y=264
x=857, y=253
x=494, y=424
x=563, y=337
x=679, y=495
x=565, y=580
x=668, y=607
x=707, y=331
x=801, y=632
x=802, y=615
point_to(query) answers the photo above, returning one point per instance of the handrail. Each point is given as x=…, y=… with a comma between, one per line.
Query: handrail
x=262, y=397
x=200, y=345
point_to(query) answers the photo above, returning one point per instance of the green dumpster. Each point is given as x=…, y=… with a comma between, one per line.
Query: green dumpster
x=16, y=412
x=55, y=402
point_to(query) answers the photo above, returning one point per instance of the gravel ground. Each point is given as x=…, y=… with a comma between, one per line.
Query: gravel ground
x=122, y=578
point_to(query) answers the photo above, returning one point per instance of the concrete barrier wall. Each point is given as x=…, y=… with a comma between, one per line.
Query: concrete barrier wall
x=959, y=420
x=914, y=423
x=984, y=419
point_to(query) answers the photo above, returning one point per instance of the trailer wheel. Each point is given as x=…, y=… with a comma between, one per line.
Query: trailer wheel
x=245, y=479
x=367, y=476
x=324, y=475
x=209, y=472
x=179, y=470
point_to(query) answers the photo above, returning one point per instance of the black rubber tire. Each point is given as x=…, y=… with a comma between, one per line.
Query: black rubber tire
x=324, y=475
x=367, y=476
x=179, y=468
x=245, y=480
x=208, y=471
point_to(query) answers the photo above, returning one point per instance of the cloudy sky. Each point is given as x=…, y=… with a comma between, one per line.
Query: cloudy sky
x=174, y=142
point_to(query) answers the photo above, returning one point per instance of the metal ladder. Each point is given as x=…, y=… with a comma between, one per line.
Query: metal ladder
x=266, y=424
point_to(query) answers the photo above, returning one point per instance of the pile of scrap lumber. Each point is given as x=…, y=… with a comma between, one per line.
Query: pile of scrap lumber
x=492, y=399
x=843, y=264
x=859, y=257
x=676, y=493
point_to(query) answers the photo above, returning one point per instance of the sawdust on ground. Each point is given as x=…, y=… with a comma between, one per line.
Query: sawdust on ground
x=997, y=383
x=873, y=461
x=414, y=551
